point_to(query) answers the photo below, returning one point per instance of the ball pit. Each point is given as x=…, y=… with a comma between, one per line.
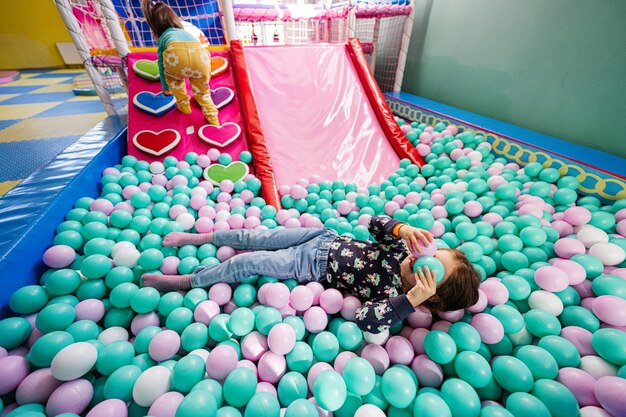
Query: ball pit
x=545, y=338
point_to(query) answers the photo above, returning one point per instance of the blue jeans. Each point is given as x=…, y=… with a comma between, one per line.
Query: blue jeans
x=280, y=253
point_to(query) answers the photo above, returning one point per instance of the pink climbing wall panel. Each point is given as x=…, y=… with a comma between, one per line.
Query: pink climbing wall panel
x=186, y=125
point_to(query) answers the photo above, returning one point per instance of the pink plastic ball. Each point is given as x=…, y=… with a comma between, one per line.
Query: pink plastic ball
x=207, y=211
x=489, y=328
x=271, y=367
x=429, y=250
x=266, y=387
x=37, y=387
x=480, y=304
x=71, y=397
x=109, y=408
x=406, y=128
x=442, y=325
x=221, y=225
x=377, y=356
x=417, y=340
x=245, y=363
x=292, y=223
x=350, y=305
x=452, y=316
x=610, y=309
x=236, y=221
x=224, y=253
x=473, y=209
x=221, y=361
x=551, y=278
x=90, y=309
x=580, y=383
x=610, y=393
x=315, y=319
x=59, y=256
x=277, y=295
x=315, y=370
x=227, y=186
x=301, y=298
x=579, y=337
x=421, y=318
x=568, y=247
x=563, y=227
x=103, y=205
x=205, y=311
x=251, y=223
x=495, y=291
x=331, y=301
x=298, y=192
x=214, y=154
x=313, y=222
x=438, y=229
x=204, y=225
x=220, y=293
x=164, y=345
x=400, y=350
x=341, y=360
x=577, y=216
x=317, y=289
x=574, y=271
x=423, y=149
x=428, y=372
x=492, y=218
x=281, y=339
x=166, y=404
x=253, y=346
x=170, y=265
x=284, y=189
x=142, y=321
x=344, y=207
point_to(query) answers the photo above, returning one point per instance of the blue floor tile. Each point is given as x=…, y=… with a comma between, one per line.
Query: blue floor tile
x=39, y=98
x=22, y=89
x=75, y=107
x=6, y=123
x=20, y=159
x=59, y=75
x=70, y=81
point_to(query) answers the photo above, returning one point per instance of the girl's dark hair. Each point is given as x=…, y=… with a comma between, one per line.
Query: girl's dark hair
x=459, y=290
x=160, y=16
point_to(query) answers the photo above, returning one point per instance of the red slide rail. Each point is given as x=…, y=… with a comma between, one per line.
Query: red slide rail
x=261, y=161
x=385, y=118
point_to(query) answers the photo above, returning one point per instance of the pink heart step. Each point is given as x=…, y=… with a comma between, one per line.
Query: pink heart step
x=220, y=136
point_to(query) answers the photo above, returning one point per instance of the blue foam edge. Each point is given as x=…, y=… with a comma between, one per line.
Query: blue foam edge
x=30, y=213
x=588, y=156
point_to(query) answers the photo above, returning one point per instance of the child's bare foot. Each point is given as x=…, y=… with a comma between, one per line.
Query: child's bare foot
x=166, y=282
x=180, y=239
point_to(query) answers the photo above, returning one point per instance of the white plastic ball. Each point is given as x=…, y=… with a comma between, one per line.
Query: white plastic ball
x=590, y=236
x=74, y=361
x=609, y=253
x=157, y=167
x=126, y=258
x=475, y=156
x=113, y=334
x=547, y=301
x=186, y=220
x=152, y=383
x=369, y=410
x=376, y=339
x=597, y=367
x=121, y=247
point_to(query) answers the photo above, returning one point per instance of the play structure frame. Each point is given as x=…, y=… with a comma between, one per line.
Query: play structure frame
x=330, y=22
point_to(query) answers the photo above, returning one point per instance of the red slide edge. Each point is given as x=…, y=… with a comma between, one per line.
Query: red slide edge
x=385, y=118
x=261, y=161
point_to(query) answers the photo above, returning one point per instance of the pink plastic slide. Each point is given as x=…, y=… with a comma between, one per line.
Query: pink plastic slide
x=316, y=117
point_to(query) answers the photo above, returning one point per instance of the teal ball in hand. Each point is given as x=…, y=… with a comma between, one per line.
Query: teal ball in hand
x=433, y=264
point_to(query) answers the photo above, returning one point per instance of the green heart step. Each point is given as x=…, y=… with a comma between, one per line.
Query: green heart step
x=234, y=171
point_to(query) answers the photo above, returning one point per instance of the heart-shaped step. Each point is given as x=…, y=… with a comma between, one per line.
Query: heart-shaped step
x=147, y=69
x=156, y=143
x=235, y=171
x=220, y=136
x=221, y=96
x=219, y=66
x=155, y=104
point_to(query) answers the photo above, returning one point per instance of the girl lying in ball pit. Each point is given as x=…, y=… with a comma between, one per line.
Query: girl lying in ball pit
x=379, y=273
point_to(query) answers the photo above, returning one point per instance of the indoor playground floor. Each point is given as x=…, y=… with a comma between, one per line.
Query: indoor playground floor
x=39, y=117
